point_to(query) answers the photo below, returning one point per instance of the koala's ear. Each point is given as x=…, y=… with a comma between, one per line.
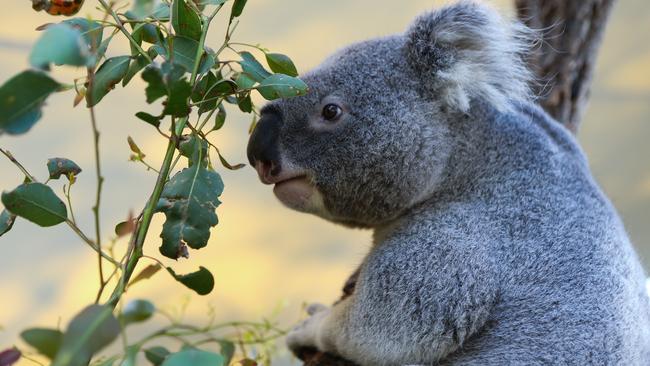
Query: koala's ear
x=466, y=51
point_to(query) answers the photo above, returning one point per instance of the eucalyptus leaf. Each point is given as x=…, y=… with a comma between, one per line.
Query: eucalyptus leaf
x=177, y=102
x=281, y=86
x=62, y=166
x=185, y=21
x=185, y=50
x=156, y=355
x=21, y=99
x=7, y=220
x=37, y=203
x=61, y=44
x=189, y=201
x=201, y=281
x=244, y=102
x=281, y=64
x=89, y=332
x=131, y=355
x=137, y=311
x=220, y=118
x=107, y=76
x=91, y=30
x=150, y=119
x=142, y=8
x=194, y=149
x=227, y=351
x=237, y=8
x=194, y=357
x=156, y=88
x=45, y=341
x=252, y=67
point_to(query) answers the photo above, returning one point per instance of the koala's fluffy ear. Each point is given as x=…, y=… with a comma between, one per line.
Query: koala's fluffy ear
x=466, y=51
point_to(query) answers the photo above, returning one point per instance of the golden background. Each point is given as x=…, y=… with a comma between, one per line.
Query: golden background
x=264, y=256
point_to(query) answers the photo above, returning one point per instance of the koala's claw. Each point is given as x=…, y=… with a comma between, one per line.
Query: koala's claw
x=305, y=334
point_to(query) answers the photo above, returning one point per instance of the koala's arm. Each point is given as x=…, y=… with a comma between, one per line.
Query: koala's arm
x=413, y=304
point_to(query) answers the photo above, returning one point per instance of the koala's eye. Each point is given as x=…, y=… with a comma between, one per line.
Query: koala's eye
x=331, y=112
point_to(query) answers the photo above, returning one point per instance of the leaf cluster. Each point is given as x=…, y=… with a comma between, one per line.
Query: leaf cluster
x=192, y=87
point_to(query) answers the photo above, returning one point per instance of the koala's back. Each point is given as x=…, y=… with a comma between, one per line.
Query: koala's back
x=571, y=289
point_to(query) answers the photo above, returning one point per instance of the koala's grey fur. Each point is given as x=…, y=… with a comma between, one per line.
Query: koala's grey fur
x=493, y=244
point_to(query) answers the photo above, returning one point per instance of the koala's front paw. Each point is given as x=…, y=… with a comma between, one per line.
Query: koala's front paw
x=305, y=334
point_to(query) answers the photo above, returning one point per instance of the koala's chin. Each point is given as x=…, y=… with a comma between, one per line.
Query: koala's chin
x=301, y=195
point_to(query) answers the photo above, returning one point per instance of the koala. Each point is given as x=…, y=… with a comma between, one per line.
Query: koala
x=493, y=244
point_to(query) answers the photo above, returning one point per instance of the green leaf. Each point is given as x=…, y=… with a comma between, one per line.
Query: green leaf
x=60, y=44
x=137, y=311
x=45, y=341
x=194, y=149
x=156, y=355
x=107, y=76
x=189, y=201
x=142, y=8
x=209, y=90
x=281, y=64
x=227, y=351
x=89, y=332
x=220, y=118
x=184, y=52
x=152, y=120
x=130, y=358
x=244, y=102
x=237, y=8
x=156, y=88
x=244, y=81
x=61, y=166
x=281, y=86
x=136, y=65
x=201, y=281
x=21, y=99
x=37, y=203
x=177, y=103
x=252, y=67
x=194, y=357
x=161, y=12
x=185, y=21
x=89, y=29
x=7, y=220
x=210, y=2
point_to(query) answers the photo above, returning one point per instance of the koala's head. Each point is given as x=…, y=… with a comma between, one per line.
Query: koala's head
x=372, y=137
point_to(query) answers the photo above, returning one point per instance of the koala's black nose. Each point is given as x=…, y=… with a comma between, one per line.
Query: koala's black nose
x=263, y=144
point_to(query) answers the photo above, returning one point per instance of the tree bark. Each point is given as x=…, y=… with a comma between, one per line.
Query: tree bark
x=563, y=63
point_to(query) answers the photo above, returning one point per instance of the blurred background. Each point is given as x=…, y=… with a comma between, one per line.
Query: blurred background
x=266, y=259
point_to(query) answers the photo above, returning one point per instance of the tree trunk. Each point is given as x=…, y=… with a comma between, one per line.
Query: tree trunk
x=564, y=62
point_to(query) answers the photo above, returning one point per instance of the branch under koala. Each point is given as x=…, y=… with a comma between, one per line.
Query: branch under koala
x=564, y=62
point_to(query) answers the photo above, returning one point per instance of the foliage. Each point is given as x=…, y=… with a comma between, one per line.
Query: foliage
x=168, y=50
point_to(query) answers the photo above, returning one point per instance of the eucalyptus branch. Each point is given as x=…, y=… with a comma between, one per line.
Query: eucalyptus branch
x=177, y=130
x=100, y=180
x=70, y=223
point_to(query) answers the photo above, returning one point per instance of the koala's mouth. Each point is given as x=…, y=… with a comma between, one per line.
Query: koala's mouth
x=298, y=193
